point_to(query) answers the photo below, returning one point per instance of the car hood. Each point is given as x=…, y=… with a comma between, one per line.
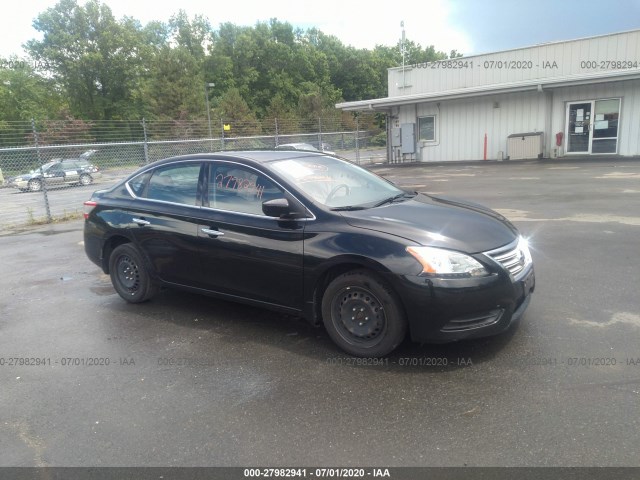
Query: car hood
x=27, y=176
x=438, y=222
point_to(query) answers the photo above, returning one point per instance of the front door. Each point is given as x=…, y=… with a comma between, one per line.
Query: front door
x=592, y=126
x=579, y=128
x=245, y=253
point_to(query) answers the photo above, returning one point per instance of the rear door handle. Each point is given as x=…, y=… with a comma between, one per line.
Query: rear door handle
x=141, y=221
x=215, y=233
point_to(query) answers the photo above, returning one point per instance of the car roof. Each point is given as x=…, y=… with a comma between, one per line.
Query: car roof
x=248, y=156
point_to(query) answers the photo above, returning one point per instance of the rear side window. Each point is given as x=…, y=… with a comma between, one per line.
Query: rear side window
x=138, y=183
x=173, y=183
x=71, y=165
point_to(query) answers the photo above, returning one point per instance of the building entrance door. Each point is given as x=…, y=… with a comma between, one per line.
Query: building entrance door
x=592, y=126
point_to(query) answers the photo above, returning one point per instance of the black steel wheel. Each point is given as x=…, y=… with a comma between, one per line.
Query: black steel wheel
x=363, y=315
x=129, y=275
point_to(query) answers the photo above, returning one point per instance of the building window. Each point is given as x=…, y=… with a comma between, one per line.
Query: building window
x=427, y=128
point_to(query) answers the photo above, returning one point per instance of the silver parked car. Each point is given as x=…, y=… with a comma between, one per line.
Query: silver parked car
x=325, y=147
x=71, y=171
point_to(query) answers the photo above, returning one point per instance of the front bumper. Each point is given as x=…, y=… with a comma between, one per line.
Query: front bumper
x=18, y=183
x=442, y=311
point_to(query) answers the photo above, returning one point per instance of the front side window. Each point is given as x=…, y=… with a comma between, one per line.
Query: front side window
x=427, y=128
x=173, y=183
x=240, y=189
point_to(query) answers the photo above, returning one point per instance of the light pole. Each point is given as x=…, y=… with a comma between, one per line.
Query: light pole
x=206, y=97
x=402, y=49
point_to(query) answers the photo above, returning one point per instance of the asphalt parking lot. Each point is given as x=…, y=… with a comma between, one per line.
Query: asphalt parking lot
x=89, y=380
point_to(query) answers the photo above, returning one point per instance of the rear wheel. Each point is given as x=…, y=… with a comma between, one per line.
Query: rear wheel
x=129, y=275
x=363, y=315
x=85, y=179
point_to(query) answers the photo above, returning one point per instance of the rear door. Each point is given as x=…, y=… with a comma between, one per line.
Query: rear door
x=71, y=171
x=165, y=217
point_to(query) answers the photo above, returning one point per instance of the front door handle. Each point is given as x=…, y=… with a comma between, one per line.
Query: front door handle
x=215, y=233
x=141, y=221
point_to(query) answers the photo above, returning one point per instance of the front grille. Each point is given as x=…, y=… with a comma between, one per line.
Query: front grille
x=510, y=257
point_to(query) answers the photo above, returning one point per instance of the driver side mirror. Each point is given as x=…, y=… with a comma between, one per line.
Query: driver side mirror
x=279, y=208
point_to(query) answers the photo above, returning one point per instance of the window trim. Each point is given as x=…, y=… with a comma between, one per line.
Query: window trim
x=152, y=170
x=203, y=183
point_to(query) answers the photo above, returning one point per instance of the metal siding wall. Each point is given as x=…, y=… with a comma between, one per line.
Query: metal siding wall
x=461, y=124
x=567, y=55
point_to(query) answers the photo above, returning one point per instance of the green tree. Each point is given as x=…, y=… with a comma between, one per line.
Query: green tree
x=25, y=94
x=194, y=34
x=233, y=110
x=176, y=85
x=97, y=60
x=102, y=68
x=280, y=111
x=67, y=130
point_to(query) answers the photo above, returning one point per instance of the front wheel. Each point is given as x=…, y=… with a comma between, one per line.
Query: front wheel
x=363, y=315
x=34, y=185
x=129, y=275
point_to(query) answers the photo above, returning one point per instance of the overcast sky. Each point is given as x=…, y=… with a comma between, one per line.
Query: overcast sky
x=468, y=26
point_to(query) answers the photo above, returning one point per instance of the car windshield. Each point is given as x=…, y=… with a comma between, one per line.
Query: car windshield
x=44, y=168
x=336, y=183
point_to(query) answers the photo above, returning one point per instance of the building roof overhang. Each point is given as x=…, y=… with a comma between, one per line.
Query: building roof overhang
x=541, y=84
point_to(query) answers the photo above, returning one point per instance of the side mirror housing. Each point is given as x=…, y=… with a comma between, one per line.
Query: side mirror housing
x=278, y=207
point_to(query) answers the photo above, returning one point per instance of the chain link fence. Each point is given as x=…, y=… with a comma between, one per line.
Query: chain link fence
x=49, y=168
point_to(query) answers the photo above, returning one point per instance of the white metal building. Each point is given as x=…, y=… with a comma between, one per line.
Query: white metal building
x=578, y=97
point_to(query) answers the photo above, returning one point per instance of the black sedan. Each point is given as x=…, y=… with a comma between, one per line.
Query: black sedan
x=312, y=235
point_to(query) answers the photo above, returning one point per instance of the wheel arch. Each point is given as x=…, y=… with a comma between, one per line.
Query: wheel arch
x=333, y=269
x=109, y=246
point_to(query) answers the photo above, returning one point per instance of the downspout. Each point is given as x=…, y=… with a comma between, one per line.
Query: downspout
x=417, y=134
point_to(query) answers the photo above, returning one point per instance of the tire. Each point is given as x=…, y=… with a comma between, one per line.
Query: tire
x=34, y=185
x=129, y=275
x=363, y=315
x=85, y=179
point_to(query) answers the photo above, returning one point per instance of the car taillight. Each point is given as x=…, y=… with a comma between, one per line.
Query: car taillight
x=88, y=206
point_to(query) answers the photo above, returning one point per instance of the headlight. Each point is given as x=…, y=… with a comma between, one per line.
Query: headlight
x=523, y=246
x=447, y=263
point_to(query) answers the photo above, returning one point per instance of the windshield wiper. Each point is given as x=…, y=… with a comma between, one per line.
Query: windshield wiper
x=347, y=208
x=394, y=198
